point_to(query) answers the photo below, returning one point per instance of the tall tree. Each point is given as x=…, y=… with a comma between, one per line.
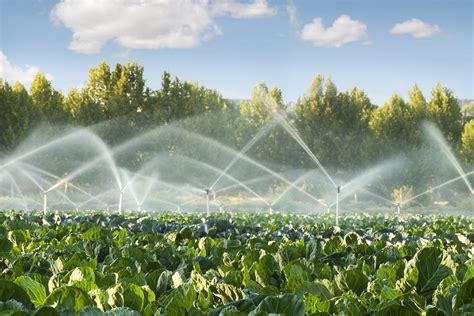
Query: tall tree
x=48, y=100
x=335, y=124
x=445, y=111
x=17, y=114
x=467, y=141
x=394, y=123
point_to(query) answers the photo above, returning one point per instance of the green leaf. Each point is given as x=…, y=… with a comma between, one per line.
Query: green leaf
x=396, y=310
x=469, y=273
x=46, y=311
x=126, y=295
x=315, y=288
x=5, y=245
x=433, y=265
x=12, y=291
x=465, y=294
x=69, y=298
x=35, y=290
x=353, y=279
x=179, y=301
x=286, y=305
x=295, y=276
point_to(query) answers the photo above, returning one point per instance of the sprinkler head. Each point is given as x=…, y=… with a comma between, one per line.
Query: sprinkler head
x=207, y=191
x=338, y=189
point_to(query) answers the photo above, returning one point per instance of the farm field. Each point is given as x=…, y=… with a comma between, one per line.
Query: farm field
x=91, y=263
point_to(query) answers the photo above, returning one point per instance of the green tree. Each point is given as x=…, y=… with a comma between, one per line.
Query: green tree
x=48, y=100
x=335, y=124
x=18, y=115
x=467, y=141
x=445, y=112
x=468, y=111
x=394, y=124
x=263, y=105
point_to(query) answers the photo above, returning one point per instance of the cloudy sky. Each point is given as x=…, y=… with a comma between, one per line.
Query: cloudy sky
x=381, y=46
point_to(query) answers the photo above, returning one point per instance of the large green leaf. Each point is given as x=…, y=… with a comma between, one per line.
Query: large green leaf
x=126, y=295
x=353, y=279
x=285, y=305
x=12, y=291
x=69, y=298
x=179, y=301
x=433, y=265
x=35, y=290
x=316, y=288
x=465, y=294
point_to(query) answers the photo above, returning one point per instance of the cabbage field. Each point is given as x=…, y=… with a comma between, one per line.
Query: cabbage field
x=92, y=263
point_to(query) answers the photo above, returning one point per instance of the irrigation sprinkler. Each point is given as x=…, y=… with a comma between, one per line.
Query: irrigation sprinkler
x=271, y=210
x=120, y=201
x=178, y=209
x=221, y=210
x=400, y=203
x=208, y=212
x=337, y=204
x=45, y=200
x=139, y=207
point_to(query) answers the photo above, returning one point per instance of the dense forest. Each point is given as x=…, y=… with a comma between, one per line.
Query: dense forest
x=344, y=128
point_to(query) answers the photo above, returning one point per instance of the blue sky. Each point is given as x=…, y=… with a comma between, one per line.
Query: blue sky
x=231, y=45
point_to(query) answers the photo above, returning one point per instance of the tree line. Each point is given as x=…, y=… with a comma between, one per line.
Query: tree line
x=343, y=128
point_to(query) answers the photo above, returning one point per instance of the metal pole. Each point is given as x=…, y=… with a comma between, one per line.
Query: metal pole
x=120, y=201
x=45, y=200
x=401, y=201
x=208, y=212
x=337, y=205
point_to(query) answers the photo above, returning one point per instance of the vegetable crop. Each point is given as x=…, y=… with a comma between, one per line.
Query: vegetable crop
x=95, y=263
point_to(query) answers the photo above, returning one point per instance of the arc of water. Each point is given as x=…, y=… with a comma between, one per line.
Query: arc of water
x=57, y=178
x=17, y=187
x=45, y=191
x=246, y=148
x=294, y=183
x=105, y=155
x=439, y=186
x=378, y=196
x=254, y=163
x=294, y=133
x=216, y=170
x=438, y=138
x=40, y=148
x=251, y=181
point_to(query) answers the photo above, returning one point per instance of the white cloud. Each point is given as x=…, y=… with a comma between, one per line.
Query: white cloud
x=11, y=73
x=292, y=14
x=344, y=30
x=149, y=24
x=238, y=10
x=415, y=27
